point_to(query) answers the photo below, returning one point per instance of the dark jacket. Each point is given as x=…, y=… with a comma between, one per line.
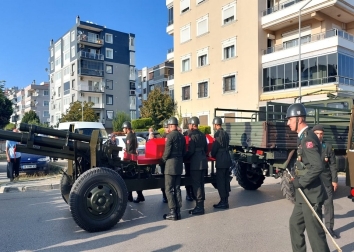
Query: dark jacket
x=131, y=143
x=311, y=151
x=187, y=132
x=220, y=149
x=175, y=149
x=197, y=150
x=329, y=174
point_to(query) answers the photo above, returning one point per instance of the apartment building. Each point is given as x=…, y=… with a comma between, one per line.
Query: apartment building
x=11, y=94
x=92, y=63
x=241, y=54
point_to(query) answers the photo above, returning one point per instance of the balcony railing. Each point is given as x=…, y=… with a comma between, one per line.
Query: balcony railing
x=171, y=77
x=96, y=87
x=170, y=50
x=280, y=7
x=85, y=38
x=90, y=72
x=89, y=55
x=170, y=22
x=313, y=38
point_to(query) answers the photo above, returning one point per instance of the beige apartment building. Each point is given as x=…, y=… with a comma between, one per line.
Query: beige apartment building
x=241, y=54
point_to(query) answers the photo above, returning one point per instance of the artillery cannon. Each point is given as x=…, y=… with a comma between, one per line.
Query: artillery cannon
x=97, y=181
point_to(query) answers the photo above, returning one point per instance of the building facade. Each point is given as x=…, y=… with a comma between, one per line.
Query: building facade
x=92, y=63
x=241, y=54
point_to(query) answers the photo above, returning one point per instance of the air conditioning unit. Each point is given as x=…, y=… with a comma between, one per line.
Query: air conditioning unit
x=132, y=92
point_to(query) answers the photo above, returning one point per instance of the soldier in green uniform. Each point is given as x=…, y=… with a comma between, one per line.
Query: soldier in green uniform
x=219, y=151
x=131, y=146
x=162, y=165
x=197, y=150
x=329, y=179
x=175, y=149
x=187, y=167
x=308, y=179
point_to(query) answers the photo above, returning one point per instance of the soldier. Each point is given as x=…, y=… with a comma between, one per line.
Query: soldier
x=131, y=147
x=173, y=158
x=308, y=179
x=162, y=165
x=187, y=168
x=219, y=151
x=197, y=150
x=329, y=179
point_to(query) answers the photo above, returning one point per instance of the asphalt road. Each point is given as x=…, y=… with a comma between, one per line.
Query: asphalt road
x=256, y=221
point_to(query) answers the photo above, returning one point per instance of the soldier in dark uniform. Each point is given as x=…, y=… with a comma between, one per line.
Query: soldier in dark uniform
x=187, y=168
x=162, y=165
x=308, y=179
x=329, y=179
x=173, y=158
x=197, y=150
x=131, y=146
x=219, y=151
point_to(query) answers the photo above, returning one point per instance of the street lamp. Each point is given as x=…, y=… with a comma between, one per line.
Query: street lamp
x=299, y=64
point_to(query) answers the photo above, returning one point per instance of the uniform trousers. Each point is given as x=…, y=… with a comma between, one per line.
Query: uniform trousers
x=223, y=182
x=173, y=190
x=328, y=208
x=198, y=184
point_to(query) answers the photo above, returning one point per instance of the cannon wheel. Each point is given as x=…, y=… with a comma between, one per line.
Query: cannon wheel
x=98, y=199
x=287, y=188
x=249, y=179
x=66, y=184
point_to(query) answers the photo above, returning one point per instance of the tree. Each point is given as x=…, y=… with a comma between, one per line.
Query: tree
x=119, y=119
x=5, y=108
x=10, y=126
x=36, y=122
x=30, y=116
x=74, y=113
x=159, y=107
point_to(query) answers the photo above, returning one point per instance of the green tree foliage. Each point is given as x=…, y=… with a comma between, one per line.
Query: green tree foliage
x=143, y=123
x=10, y=126
x=36, y=122
x=205, y=129
x=30, y=116
x=119, y=119
x=74, y=113
x=159, y=106
x=5, y=108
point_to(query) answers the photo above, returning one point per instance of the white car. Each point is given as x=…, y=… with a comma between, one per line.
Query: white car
x=121, y=142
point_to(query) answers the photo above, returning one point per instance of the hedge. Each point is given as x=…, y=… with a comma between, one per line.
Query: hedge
x=161, y=131
x=143, y=123
x=204, y=129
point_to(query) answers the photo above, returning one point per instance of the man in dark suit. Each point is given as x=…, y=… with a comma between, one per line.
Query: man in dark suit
x=197, y=150
x=329, y=179
x=175, y=149
x=220, y=152
x=187, y=167
x=162, y=165
x=308, y=172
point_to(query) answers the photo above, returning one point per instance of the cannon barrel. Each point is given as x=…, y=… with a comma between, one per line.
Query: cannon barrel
x=53, y=132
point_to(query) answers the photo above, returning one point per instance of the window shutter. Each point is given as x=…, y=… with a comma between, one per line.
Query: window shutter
x=229, y=12
x=185, y=33
x=202, y=27
x=184, y=4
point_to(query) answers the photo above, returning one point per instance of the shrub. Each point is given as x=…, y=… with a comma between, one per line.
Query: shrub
x=161, y=131
x=205, y=129
x=143, y=123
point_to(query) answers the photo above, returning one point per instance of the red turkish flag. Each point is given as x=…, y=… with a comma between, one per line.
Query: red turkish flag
x=309, y=145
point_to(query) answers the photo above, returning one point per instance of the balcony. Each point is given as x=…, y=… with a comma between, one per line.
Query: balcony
x=170, y=27
x=281, y=15
x=98, y=105
x=90, y=72
x=96, y=87
x=88, y=55
x=91, y=41
x=170, y=54
x=329, y=39
x=171, y=80
x=169, y=3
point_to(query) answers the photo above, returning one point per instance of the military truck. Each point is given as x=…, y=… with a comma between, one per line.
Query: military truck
x=262, y=145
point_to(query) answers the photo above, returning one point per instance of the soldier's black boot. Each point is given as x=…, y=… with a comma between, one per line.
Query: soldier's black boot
x=199, y=209
x=140, y=197
x=171, y=215
x=164, y=198
x=223, y=204
x=189, y=191
x=178, y=213
x=130, y=196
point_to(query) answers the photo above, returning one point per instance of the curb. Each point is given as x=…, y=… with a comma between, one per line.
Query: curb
x=28, y=188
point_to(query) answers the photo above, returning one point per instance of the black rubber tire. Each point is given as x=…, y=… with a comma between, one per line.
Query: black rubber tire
x=66, y=184
x=287, y=188
x=248, y=181
x=103, y=189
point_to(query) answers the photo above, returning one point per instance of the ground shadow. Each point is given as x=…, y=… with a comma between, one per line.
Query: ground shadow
x=348, y=214
x=169, y=248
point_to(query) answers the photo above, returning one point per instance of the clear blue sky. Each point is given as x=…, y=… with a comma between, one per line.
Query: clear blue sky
x=27, y=26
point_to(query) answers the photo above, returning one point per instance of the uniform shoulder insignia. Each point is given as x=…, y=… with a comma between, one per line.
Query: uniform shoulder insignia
x=128, y=141
x=309, y=145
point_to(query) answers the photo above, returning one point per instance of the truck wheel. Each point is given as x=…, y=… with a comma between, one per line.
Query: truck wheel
x=249, y=179
x=65, y=187
x=287, y=188
x=98, y=199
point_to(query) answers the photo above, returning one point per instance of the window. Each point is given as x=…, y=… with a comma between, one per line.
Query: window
x=73, y=68
x=66, y=40
x=109, y=84
x=109, y=114
x=67, y=88
x=184, y=5
x=144, y=91
x=170, y=16
x=72, y=36
x=45, y=113
x=46, y=92
x=200, y=1
x=46, y=103
x=109, y=99
x=73, y=51
x=58, y=61
x=59, y=91
x=186, y=93
x=95, y=100
x=57, y=48
x=228, y=13
x=73, y=84
x=109, y=69
x=186, y=60
x=109, y=53
x=185, y=33
x=229, y=83
x=109, y=38
x=131, y=41
x=66, y=70
x=202, y=25
x=229, y=48
x=202, y=57
x=51, y=52
x=203, y=89
x=52, y=65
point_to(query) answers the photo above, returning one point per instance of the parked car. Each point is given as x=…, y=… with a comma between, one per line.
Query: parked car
x=30, y=162
x=145, y=134
x=121, y=142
